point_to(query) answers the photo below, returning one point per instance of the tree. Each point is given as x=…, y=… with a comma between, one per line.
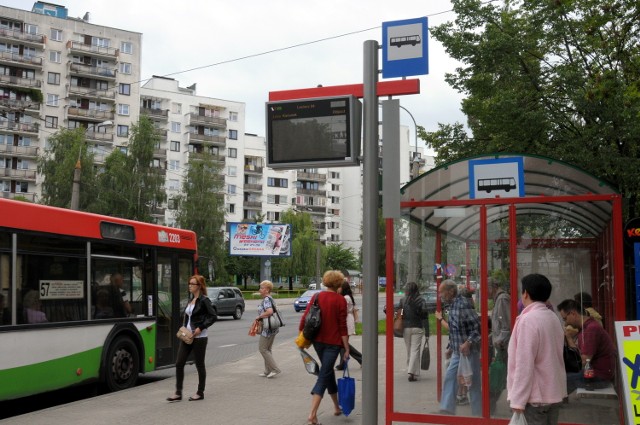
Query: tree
x=555, y=78
x=130, y=186
x=57, y=163
x=337, y=257
x=200, y=207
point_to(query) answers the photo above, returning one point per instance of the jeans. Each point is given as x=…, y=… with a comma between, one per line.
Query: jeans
x=542, y=415
x=199, y=348
x=353, y=354
x=450, y=387
x=575, y=380
x=327, y=355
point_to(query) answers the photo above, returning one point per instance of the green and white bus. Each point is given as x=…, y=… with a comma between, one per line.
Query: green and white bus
x=87, y=298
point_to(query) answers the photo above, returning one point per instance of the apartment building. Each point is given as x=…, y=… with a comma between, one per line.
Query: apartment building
x=61, y=72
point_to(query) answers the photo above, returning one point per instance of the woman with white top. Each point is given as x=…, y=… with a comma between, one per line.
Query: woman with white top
x=345, y=291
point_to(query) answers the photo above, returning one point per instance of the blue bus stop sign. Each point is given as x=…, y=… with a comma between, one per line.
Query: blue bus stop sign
x=405, y=48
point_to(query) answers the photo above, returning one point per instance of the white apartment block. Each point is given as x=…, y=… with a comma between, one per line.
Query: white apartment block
x=61, y=72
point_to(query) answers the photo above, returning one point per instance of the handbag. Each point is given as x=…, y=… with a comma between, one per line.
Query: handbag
x=518, y=419
x=274, y=321
x=425, y=358
x=310, y=364
x=255, y=325
x=185, y=335
x=346, y=391
x=498, y=374
x=398, y=326
x=572, y=359
x=313, y=320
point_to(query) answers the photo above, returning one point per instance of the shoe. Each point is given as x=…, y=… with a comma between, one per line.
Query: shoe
x=263, y=375
x=462, y=401
x=412, y=378
x=174, y=398
x=197, y=397
x=338, y=413
x=272, y=374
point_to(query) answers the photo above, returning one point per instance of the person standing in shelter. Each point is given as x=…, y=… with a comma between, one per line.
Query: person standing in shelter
x=266, y=309
x=414, y=314
x=595, y=345
x=198, y=317
x=464, y=340
x=331, y=338
x=536, y=381
x=500, y=329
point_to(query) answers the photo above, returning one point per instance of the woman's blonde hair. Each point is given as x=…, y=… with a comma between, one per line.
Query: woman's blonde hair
x=201, y=282
x=333, y=279
x=267, y=284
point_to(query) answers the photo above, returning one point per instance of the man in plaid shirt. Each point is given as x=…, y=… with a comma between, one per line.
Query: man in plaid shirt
x=464, y=340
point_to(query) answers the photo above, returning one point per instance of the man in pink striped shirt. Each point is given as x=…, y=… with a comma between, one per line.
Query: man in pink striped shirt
x=536, y=380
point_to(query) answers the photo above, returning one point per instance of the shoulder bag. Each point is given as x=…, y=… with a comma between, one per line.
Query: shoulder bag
x=313, y=320
x=185, y=335
x=274, y=321
x=572, y=359
x=398, y=325
x=425, y=358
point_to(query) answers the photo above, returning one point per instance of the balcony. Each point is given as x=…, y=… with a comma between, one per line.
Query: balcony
x=19, y=127
x=15, y=58
x=19, y=151
x=155, y=114
x=93, y=114
x=302, y=191
x=202, y=138
x=97, y=51
x=9, y=80
x=312, y=177
x=157, y=211
x=31, y=105
x=161, y=132
x=195, y=119
x=160, y=153
x=252, y=187
x=92, y=92
x=159, y=170
x=92, y=71
x=24, y=175
x=315, y=209
x=254, y=205
x=32, y=40
x=201, y=155
x=31, y=197
x=99, y=137
x=252, y=169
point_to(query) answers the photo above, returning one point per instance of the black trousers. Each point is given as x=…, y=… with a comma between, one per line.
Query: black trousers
x=199, y=348
x=353, y=354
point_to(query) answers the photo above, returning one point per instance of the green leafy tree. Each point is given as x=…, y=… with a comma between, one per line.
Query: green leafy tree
x=130, y=187
x=337, y=257
x=200, y=207
x=556, y=78
x=57, y=165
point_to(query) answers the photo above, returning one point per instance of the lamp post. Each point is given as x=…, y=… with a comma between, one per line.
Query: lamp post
x=75, y=188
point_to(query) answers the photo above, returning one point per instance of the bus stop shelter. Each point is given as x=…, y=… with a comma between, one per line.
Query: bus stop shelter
x=502, y=216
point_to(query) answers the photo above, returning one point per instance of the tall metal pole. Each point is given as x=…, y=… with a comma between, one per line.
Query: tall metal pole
x=370, y=236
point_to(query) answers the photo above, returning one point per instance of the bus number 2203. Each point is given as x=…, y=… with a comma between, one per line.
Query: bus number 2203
x=174, y=238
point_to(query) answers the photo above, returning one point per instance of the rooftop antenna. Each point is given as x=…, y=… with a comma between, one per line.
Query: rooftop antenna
x=86, y=17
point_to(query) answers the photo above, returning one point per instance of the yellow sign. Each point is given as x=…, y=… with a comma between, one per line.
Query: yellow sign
x=628, y=337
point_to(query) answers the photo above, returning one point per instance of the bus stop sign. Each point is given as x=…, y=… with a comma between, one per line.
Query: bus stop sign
x=404, y=48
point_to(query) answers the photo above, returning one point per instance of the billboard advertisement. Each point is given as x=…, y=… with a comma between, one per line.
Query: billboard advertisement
x=260, y=239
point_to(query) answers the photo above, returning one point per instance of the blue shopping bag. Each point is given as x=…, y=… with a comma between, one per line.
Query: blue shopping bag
x=346, y=391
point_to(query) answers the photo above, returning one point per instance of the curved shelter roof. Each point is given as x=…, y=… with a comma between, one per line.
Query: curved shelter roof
x=530, y=181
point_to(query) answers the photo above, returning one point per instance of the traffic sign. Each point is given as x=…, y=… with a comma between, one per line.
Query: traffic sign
x=405, y=48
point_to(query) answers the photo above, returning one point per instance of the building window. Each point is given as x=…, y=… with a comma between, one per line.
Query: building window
x=126, y=47
x=123, y=109
x=56, y=35
x=31, y=29
x=233, y=153
x=125, y=68
x=55, y=56
x=335, y=187
x=232, y=171
x=335, y=175
x=124, y=89
x=53, y=78
x=231, y=208
x=52, y=99
x=273, y=215
x=174, y=146
x=233, y=134
x=173, y=184
x=174, y=164
x=123, y=130
x=277, y=182
x=100, y=42
x=233, y=116
x=176, y=108
x=175, y=127
x=51, y=122
x=231, y=189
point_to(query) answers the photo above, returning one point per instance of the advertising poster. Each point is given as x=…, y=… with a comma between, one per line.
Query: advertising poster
x=259, y=239
x=628, y=336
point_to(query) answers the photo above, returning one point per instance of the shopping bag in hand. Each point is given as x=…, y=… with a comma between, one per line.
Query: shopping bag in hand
x=310, y=364
x=465, y=373
x=346, y=391
x=302, y=342
x=518, y=419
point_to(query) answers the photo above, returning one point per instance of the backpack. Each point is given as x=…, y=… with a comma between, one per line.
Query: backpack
x=312, y=321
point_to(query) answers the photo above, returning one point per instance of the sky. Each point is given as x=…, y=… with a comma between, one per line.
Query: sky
x=246, y=48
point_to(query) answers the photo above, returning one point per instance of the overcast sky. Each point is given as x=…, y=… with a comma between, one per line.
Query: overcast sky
x=179, y=36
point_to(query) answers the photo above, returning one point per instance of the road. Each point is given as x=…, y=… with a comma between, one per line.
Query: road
x=228, y=342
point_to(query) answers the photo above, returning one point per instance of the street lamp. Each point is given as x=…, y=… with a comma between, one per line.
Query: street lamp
x=75, y=188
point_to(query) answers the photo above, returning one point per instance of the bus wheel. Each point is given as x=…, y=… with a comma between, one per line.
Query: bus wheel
x=122, y=364
x=238, y=314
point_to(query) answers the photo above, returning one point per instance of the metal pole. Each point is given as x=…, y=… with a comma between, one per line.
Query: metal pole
x=370, y=237
x=75, y=188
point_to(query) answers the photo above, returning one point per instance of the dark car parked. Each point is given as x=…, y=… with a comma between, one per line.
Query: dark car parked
x=431, y=299
x=227, y=301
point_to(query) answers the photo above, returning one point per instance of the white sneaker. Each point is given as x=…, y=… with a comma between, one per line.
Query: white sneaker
x=263, y=375
x=272, y=374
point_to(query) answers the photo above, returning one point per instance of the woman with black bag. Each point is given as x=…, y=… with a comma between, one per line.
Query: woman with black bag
x=414, y=316
x=198, y=316
x=331, y=337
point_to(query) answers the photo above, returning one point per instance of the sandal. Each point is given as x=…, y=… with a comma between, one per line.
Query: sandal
x=197, y=397
x=175, y=397
x=338, y=413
